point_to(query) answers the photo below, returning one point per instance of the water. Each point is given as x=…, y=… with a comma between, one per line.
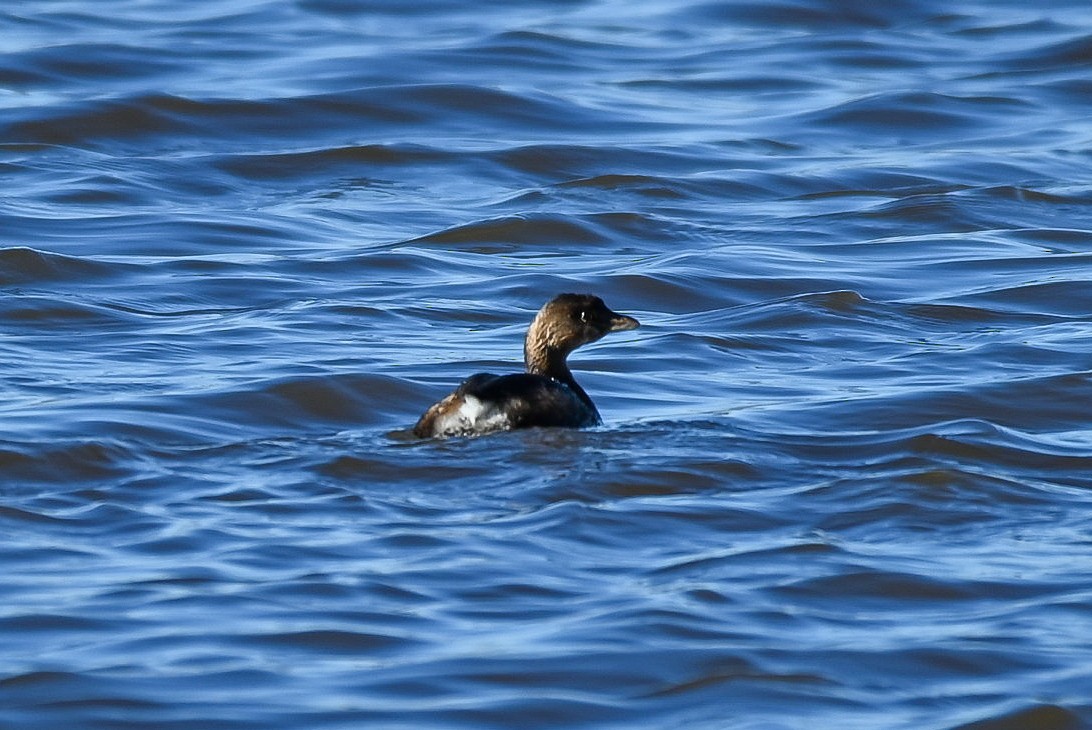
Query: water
x=844, y=477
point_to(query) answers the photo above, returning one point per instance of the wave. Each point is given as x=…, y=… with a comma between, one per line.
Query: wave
x=20, y=266
x=454, y=106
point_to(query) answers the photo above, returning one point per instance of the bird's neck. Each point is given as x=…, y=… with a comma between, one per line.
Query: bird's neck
x=542, y=357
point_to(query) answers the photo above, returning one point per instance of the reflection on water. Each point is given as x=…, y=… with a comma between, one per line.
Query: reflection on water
x=844, y=471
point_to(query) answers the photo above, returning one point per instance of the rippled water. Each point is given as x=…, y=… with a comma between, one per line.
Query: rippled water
x=845, y=475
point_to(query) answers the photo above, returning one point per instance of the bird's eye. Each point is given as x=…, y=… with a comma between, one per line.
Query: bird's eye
x=584, y=316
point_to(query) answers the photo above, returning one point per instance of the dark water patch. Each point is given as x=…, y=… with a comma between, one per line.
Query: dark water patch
x=327, y=641
x=916, y=116
x=100, y=63
x=977, y=27
x=133, y=119
x=81, y=124
x=22, y=266
x=1028, y=195
x=1061, y=298
x=974, y=318
x=1055, y=240
x=795, y=315
x=516, y=232
x=559, y=163
x=14, y=513
x=353, y=400
x=685, y=188
x=396, y=10
x=888, y=506
x=883, y=587
x=460, y=104
x=243, y=495
x=54, y=622
x=32, y=313
x=817, y=16
x=937, y=213
x=1067, y=56
x=1026, y=451
x=662, y=292
x=532, y=50
x=355, y=467
x=1069, y=92
x=342, y=160
x=96, y=193
x=720, y=676
x=665, y=482
x=65, y=463
x=1045, y=716
x=857, y=54
x=37, y=678
x=972, y=489
x=768, y=84
x=643, y=185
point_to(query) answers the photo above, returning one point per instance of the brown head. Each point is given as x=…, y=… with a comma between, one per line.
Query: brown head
x=565, y=323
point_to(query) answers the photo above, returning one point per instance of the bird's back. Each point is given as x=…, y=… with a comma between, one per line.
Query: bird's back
x=486, y=402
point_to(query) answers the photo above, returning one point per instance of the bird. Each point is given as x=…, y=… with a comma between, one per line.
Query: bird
x=546, y=394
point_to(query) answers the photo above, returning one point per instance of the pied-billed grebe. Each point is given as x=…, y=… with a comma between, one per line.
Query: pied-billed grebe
x=545, y=395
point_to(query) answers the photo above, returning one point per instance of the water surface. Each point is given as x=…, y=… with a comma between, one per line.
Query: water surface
x=844, y=476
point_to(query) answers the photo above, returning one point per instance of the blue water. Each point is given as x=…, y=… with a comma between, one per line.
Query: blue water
x=845, y=472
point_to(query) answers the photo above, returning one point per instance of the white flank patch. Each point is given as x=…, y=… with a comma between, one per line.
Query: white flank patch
x=472, y=416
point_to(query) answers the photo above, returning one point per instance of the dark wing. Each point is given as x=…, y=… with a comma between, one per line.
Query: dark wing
x=487, y=402
x=532, y=400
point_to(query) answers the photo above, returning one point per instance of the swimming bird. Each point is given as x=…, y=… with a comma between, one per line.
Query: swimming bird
x=546, y=394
